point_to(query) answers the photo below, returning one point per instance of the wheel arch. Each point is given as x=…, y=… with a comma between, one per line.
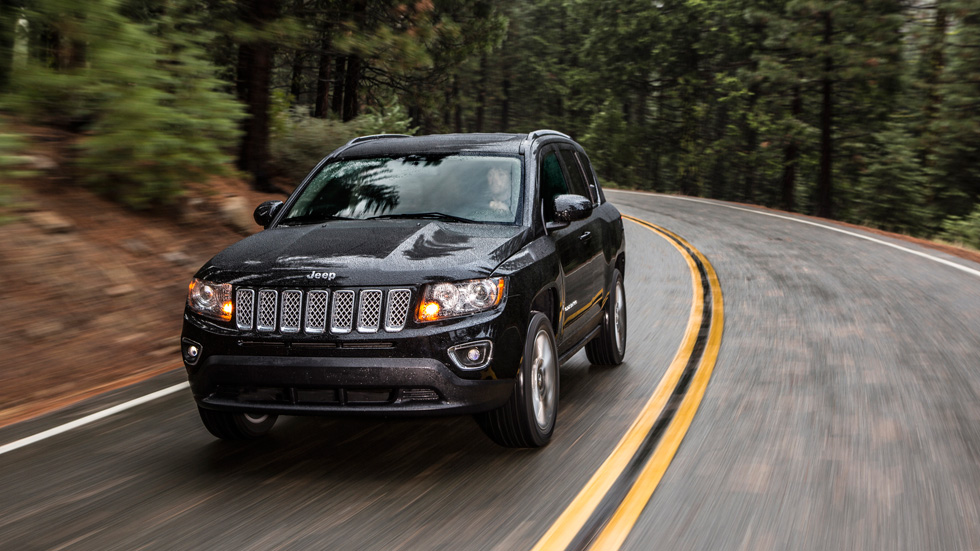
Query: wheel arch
x=546, y=302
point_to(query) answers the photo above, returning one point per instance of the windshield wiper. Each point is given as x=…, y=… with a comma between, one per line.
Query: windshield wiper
x=310, y=219
x=425, y=215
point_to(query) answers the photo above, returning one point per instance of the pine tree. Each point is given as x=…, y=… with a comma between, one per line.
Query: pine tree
x=957, y=153
x=147, y=101
x=835, y=66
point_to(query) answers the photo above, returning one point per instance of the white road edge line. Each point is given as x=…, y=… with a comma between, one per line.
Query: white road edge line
x=809, y=223
x=91, y=418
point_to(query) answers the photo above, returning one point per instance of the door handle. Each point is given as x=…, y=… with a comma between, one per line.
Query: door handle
x=584, y=236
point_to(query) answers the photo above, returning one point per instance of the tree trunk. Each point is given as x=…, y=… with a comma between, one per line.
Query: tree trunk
x=825, y=184
x=77, y=55
x=751, y=148
x=320, y=107
x=352, y=77
x=48, y=51
x=791, y=156
x=339, y=78
x=8, y=25
x=505, y=103
x=457, y=107
x=446, y=112
x=352, y=80
x=936, y=61
x=242, y=71
x=253, y=155
x=658, y=147
x=296, y=77
x=481, y=94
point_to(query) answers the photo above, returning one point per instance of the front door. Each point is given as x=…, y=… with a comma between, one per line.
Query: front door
x=580, y=250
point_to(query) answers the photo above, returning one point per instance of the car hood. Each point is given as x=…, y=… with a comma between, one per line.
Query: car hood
x=366, y=252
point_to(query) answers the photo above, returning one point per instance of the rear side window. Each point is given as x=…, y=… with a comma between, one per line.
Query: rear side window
x=576, y=177
x=590, y=178
x=552, y=184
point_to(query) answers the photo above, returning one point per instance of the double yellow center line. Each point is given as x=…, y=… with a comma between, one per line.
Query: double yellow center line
x=603, y=513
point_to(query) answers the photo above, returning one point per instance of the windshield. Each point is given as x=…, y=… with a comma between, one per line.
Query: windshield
x=461, y=188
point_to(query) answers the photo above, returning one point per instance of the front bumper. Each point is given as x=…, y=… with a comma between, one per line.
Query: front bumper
x=356, y=386
x=406, y=373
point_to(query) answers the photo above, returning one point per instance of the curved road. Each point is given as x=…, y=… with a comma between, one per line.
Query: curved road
x=843, y=413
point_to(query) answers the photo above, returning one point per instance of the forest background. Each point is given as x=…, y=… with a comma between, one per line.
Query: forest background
x=866, y=111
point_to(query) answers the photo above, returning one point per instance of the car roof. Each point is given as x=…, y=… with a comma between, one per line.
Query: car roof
x=400, y=145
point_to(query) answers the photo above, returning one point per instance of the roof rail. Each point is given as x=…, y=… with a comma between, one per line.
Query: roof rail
x=376, y=137
x=545, y=132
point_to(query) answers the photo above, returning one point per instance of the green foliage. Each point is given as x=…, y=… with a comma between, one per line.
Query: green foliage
x=12, y=167
x=872, y=108
x=389, y=118
x=887, y=189
x=963, y=229
x=152, y=112
x=304, y=140
x=12, y=160
x=609, y=145
x=168, y=129
x=956, y=126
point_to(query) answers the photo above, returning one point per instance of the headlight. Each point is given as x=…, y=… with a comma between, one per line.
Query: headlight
x=452, y=299
x=210, y=299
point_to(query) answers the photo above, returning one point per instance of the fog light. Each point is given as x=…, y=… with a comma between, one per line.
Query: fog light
x=472, y=356
x=192, y=351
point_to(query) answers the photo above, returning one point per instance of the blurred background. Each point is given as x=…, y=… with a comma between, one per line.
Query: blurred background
x=137, y=135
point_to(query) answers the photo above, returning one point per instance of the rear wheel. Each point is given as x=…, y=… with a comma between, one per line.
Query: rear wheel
x=236, y=426
x=527, y=420
x=609, y=346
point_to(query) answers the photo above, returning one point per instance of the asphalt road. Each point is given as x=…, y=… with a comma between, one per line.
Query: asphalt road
x=842, y=413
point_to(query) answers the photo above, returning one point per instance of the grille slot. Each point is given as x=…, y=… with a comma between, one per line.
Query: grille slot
x=245, y=308
x=369, y=311
x=399, y=301
x=342, y=312
x=266, y=317
x=292, y=304
x=316, y=312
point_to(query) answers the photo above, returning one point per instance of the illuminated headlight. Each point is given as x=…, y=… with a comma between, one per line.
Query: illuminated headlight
x=212, y=300
x=461, y=298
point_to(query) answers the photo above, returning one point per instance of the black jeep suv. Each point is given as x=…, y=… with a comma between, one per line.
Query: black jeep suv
x=413, y=276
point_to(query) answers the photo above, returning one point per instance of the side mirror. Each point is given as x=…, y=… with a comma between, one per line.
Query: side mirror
x=265, y=212
x=570, y=207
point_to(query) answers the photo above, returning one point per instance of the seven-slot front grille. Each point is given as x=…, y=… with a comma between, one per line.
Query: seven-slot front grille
x=318, y=311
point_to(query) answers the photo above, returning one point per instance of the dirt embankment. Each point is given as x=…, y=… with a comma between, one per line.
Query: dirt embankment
x=93, y=293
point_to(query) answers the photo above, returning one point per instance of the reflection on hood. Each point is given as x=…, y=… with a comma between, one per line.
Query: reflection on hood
x=359, y=252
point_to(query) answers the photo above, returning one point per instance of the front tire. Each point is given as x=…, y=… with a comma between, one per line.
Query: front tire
x=236, y=426
x=609, y=346
x=527, y=420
